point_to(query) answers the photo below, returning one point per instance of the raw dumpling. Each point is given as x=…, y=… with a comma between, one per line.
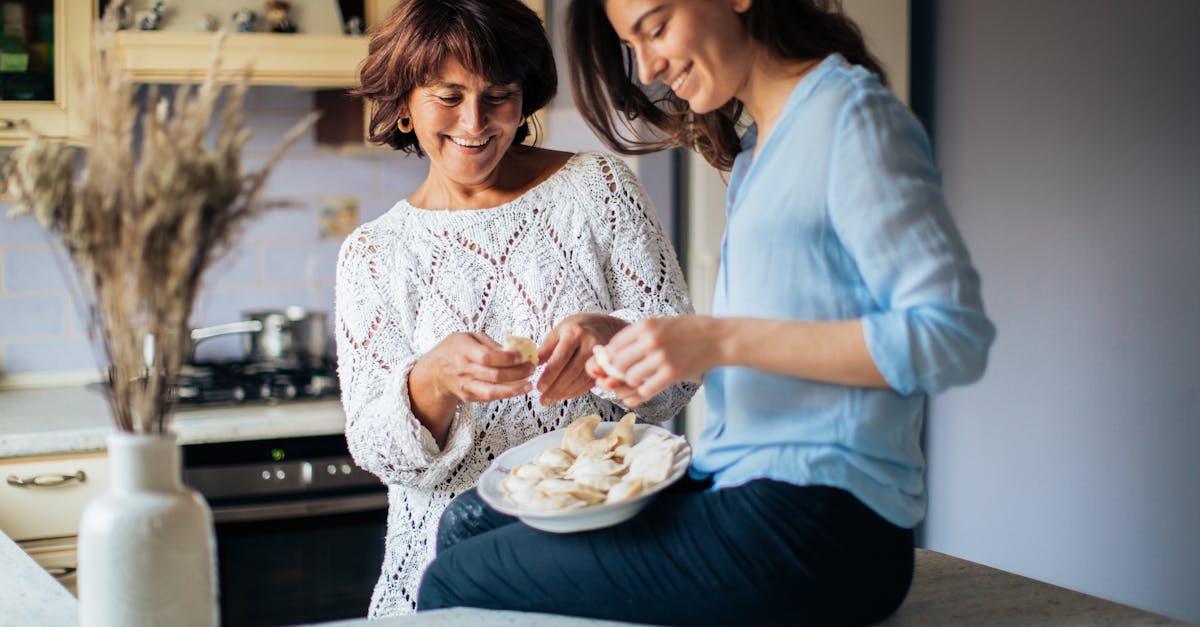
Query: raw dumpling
x=554, y=458
x=588, y=465
x=624, y=429
x=566, y=486
x=539, y=500
x=625, y=490
x=534, y=472
x=653, y=463
x=579, y=434
x=600, y=483
x=522, y=345
x=512, y=484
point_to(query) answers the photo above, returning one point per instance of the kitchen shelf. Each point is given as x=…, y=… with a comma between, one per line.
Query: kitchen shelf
x=276, y=59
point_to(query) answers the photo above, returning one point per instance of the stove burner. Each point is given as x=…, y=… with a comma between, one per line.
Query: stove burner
x=212, y=383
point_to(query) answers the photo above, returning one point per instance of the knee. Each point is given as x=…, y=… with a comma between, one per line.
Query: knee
x=435, y=591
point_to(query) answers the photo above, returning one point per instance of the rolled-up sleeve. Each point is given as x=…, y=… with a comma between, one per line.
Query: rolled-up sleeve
x=925, y=329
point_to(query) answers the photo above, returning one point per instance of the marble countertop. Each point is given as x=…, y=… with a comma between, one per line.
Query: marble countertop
x=49, y=421
x=28, y=594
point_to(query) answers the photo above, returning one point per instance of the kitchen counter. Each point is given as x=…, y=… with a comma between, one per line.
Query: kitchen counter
x=946, y=591
x=49, y=421
x=28, y=594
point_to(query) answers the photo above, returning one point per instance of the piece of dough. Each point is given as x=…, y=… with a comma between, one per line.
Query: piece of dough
x=523, y=345
x=606, y=365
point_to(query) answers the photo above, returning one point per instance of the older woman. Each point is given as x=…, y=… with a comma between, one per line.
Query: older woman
x=500, y=238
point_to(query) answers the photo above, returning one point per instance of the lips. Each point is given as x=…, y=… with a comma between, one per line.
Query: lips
x=471, y=143
x=679, y=80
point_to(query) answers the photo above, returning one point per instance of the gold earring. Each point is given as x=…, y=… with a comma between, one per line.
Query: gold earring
x=404, y=124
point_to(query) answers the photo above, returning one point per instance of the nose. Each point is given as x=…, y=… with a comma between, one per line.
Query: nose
x=472, y=114
x=649, y=65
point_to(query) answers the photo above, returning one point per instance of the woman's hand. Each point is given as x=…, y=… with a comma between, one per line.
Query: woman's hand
x=464, y=367
x=474, y=368
x=655, y=353
x=566, y=352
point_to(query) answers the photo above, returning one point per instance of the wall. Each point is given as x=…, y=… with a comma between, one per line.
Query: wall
x=1067, y=133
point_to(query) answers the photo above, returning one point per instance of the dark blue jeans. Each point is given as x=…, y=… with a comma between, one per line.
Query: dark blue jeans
x=764, y=553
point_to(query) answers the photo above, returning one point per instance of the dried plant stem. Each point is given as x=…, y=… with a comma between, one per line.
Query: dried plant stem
x=153, y=206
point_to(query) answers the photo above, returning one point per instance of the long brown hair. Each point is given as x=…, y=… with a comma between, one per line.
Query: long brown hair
x=603, y=76
x=503, y=41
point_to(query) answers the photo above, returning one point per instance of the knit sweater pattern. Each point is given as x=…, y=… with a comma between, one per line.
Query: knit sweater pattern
x=584, y=240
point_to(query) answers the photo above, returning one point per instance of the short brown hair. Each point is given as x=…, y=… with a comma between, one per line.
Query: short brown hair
x=503, y=41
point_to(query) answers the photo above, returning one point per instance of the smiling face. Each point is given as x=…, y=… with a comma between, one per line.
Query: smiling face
x=697, y=48
x=465, y=124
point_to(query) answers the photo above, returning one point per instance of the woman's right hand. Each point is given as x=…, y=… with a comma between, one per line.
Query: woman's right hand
x=464, y=367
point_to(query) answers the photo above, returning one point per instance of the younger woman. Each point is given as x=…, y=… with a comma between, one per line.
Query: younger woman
x=845, y=296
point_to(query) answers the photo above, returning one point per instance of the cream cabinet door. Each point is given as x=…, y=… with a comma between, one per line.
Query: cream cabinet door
x=51, y=118
x=44, y=497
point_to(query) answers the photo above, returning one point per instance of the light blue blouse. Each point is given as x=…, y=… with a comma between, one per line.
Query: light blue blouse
x=841, y=216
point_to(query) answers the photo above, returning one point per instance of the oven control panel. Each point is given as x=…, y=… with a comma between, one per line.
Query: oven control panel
x=284, y=466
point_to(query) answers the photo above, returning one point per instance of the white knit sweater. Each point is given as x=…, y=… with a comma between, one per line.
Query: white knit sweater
x=584, y=240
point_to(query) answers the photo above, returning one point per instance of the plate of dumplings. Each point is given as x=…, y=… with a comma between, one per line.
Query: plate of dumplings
x=588, y=475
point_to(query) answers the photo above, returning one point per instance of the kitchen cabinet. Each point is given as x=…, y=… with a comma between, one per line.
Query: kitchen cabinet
x=43, y=497
x=40, y=99
x=41, y=501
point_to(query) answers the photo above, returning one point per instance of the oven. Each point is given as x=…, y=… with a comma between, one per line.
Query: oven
x=300, y=529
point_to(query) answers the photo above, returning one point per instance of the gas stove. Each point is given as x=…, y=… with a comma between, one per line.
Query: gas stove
x=230, y=383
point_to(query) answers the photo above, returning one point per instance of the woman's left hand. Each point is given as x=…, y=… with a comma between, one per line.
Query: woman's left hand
x=566, y=351
x=659, y=352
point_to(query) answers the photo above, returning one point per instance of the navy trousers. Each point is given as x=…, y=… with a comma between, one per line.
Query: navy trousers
x=763, y=553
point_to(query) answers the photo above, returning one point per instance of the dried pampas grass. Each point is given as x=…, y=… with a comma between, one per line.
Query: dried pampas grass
x=143, y=207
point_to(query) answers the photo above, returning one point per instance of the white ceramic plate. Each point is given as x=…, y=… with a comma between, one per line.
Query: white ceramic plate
x=582, y=519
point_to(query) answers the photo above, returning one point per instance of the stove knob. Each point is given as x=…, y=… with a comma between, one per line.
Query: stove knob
x=264, y=391
x=289, y=391
x=239, y=393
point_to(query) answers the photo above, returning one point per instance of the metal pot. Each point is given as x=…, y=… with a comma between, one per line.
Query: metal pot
x=310, y=335
x=293, y=335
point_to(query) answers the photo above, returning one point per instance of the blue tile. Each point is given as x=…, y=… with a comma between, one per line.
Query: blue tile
x=22, y=231
x=240, y=265
x=268, y=129
x=400, y=174
x=31, y=316
x=35, y=270
x=375, y=206
x=286, y=223
x=43, y=355
x=310, y=263
x=333, y=174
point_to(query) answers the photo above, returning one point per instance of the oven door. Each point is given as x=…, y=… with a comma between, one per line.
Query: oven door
x=299, y=561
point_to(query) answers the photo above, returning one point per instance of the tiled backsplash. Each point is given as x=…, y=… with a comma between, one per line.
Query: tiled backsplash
x=281, y=260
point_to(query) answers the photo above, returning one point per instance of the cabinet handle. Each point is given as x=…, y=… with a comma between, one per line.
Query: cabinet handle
x=7, y=124
x=46, y=481
x=58, y=572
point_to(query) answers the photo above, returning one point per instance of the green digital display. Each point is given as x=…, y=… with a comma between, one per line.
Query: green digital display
x=278, y=454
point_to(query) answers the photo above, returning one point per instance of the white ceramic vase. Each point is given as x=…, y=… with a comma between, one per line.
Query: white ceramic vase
x=147, y=553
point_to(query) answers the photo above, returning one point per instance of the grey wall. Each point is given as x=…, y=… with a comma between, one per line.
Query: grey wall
x=1068, y=135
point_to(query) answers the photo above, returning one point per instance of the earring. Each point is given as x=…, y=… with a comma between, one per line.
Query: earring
x=404, y=124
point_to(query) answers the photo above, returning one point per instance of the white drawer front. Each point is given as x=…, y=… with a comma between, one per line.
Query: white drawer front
x=38, y=500
x=58, y=557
